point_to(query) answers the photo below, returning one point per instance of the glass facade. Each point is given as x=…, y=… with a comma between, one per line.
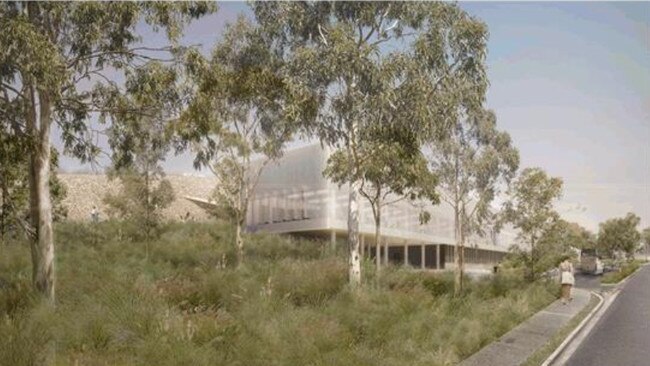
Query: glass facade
x=292, y=196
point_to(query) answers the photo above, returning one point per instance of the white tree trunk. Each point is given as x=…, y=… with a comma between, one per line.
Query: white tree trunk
x=354, y=260
x=378, y=238
x=239, y=241
x=42, y=243
x=458, y=255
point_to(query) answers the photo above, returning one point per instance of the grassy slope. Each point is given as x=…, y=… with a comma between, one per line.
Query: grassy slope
x=288, y=305
x=618, y=276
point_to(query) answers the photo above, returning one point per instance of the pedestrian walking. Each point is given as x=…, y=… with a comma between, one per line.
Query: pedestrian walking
x=94, y=214
x=566, y=279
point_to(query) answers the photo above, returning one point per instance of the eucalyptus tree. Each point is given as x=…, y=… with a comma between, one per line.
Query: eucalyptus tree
x=645, y=236
x=241, y=109
x=140, y=141
x=347, y=55
x=559, y=238
x=578, y=236
x=392, y=169
x=530, y=210
x=472, y=160
x=620, y=234
x=14, y=184
x=55, y=59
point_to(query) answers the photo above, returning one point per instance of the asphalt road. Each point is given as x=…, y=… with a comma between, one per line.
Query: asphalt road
x=587, y=281
x=622, y=336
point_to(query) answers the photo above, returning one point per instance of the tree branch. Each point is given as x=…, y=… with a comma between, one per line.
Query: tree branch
x=322, y=36
x=16, y=91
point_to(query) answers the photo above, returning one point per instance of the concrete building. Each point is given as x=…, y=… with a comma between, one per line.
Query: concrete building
x=293, y=197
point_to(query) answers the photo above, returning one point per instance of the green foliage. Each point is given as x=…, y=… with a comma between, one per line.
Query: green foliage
x=393, y=168
x=577, y=236
x=14, y=185
x=340, y=55
x=530, y=210
x=559, y=239
x=139, y=142
x=472, y=160
x=283, y=306
x=56, y=47
x=618, y=276
x=58, y=63
x=620, y=234
x=645, y=236
x=140, y=202
x=238, y=111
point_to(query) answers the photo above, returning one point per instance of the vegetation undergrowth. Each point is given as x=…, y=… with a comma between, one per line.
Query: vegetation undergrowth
x=618, y=276
x=288, y=304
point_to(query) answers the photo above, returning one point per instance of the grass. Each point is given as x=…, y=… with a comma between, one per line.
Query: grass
x=289, y=304
x=543, y=353
x=618, y=276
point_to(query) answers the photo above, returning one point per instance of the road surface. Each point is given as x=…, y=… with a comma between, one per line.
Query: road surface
x=588, y=281
x=622, y=336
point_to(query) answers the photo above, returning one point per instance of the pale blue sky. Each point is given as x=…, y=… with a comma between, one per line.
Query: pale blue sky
x=569, y=81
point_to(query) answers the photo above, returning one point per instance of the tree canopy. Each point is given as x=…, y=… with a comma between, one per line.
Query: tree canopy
x=530, y=210
x=344, y=56
x=620, y=234
x=54, y=60
x=241, y=108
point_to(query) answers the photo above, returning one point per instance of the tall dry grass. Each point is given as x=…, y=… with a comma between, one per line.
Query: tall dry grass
x=287, y=305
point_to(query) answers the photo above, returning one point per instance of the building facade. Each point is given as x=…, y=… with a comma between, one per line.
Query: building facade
x=293, y=197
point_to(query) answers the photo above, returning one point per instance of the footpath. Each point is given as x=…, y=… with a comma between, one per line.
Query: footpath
x=514, y=347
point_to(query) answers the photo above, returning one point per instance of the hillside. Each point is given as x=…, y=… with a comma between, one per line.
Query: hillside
x=86, y=190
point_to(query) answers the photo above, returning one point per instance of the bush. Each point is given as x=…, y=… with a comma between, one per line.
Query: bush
x=308, y=282
x=625, y=270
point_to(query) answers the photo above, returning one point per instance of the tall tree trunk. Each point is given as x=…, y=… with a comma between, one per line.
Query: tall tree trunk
x=42, y=243
x=378, y=236
x=3, y=208
x=386, y=252
x=354, y=261
x=239, y=243
x=242, y=211
x=458, y=275
x=533, y=259
x=461, y=269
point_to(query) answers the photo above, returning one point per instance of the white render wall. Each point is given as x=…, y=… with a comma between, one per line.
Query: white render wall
x=293, y=196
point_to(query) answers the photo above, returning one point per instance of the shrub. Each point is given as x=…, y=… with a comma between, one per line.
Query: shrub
x=274, y=248
x=625, y=270
x=309, y=282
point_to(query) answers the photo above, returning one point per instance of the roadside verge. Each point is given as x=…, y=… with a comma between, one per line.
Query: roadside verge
x=583, y=318
x=515, y=347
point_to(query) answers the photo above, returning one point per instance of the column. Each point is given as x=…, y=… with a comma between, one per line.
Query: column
x=422, y=259
x=406, y=254
x=437, y=256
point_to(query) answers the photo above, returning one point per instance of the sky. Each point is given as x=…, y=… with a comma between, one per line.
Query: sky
x=570, y=82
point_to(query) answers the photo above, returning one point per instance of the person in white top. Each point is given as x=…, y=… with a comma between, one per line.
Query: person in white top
x=566, y=279
x=94, y=214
